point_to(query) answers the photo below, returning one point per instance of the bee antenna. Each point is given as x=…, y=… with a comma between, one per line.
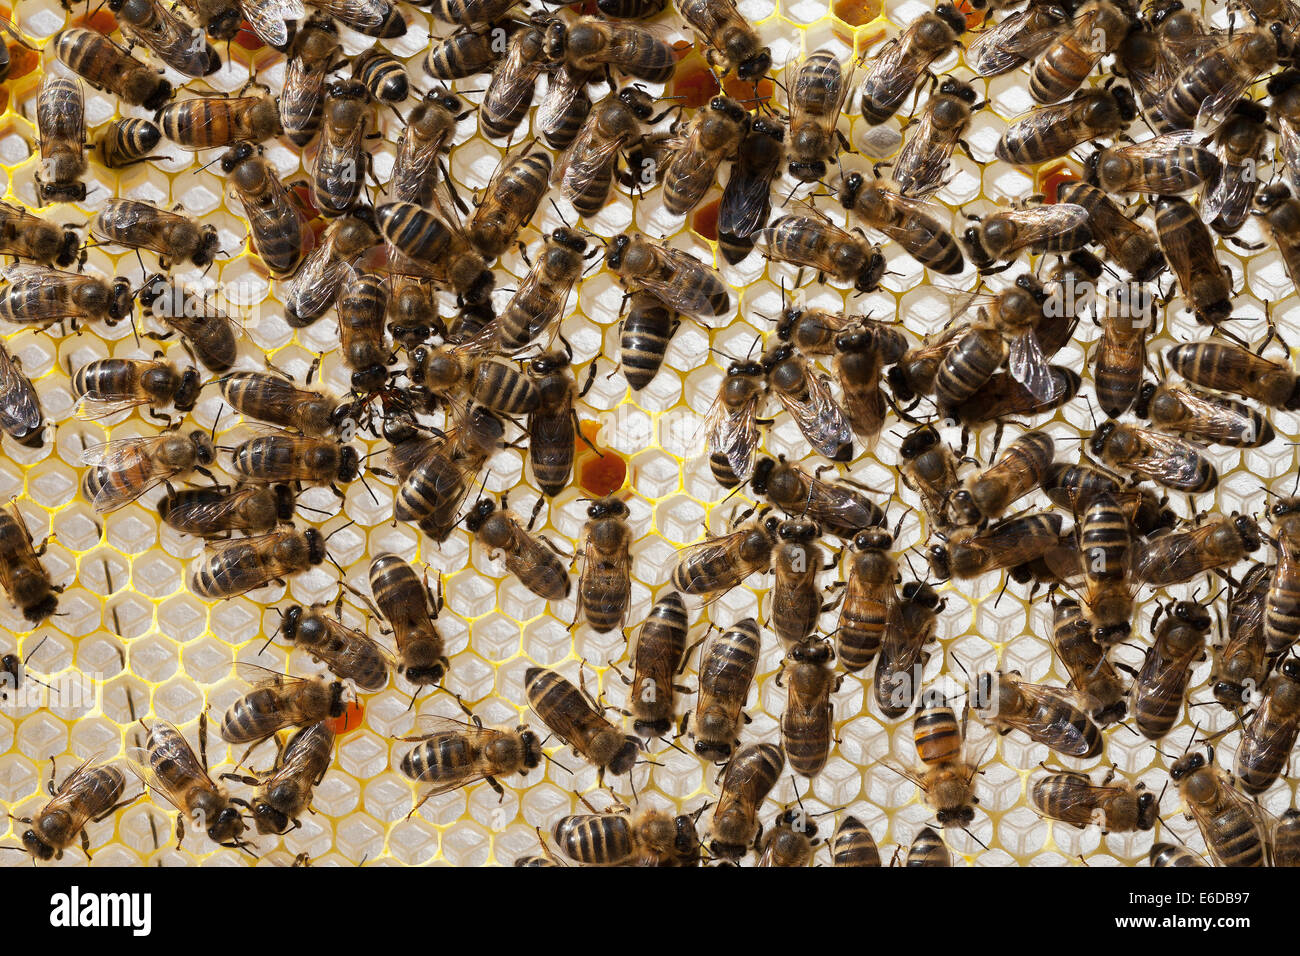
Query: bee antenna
x=556, y=207
x=966, y=830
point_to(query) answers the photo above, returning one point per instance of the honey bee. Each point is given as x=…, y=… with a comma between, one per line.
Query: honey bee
x=277, y=230
x=1127, y=243
x=20, y=406
x=727, y=666
x=852, y=844
x=510, y=200
x=946, y=778
x=1242, y=664
x=1164, y=459
x=87, y=795
x=911, y=224
x=1094, y=678
x=658, y=658
x=438, y=476
x=329, y=267
x=1058, y=227
x=748, y=778
x=175, y=42
x=731, y=423
x=207, y=512
x=1017, y=39
x=233, y=567
x=1050, y=132
x=1008, y=543
x=438, y=247
x=1003, y=398
x=1205, y=91
x=424, y=140
x=577, y=720
x=1282, y=602
x=898, y=65
x=714, y=566
x=533, y=560
x=1161, y=685
x=510, y=91
x=1231, y=368
x=61, y=126
x=1075, y=485
x=1235, y=829
x=22, y=576
x=1022, y=468
x=1108, y=552
x=1286, y=840
x=349, y=653
x=712, y=136
x=909, y=627
x=1119, y=358
x=644, y=334
x=1178, y=556
x=1164, y=165
x=870, y=600
x=1071, y=797
x=650, y=838
x=565, y=106
x=362, y=305
x=126, y=468
x=107, y=386
x=465, y=52
x=341, y=159
x=1157, y=49
x=211, y=122
x=1239, y=144
x=168, y=766
x=106, y=66
x=544, y=293
x=552, y=426
x=817, y=243
x=805, y=393
x=1269, y=738
x=469, y=12
x=1284, y=115
x=921, y=165
x=220, y=19
x=585, y=171
x=796, y=600
x=174, y=237
x=452, y=754
x=209, y=333
x=374, y=18
x=861, y=352
x=1188, y=246
x=285, y=457
x=929, y=469
x=1280, y=213
x=837, y=507
x=605, y=585
x=790, y=842
x=1166, y=854
x=746, y=202
x=284, y=793
x=314, y=52
x=37, y=295
x=1047, y=715
x=673, y=276
x=278, y=401
x=816, y=99
x=411, y=611
x=384, y=76
x=927, y=849
x=413, y=311
x=1203, y=417
x=278, y=702
x=732, y=43
x=1098, y=28
x=127, y=141
x=591, y=43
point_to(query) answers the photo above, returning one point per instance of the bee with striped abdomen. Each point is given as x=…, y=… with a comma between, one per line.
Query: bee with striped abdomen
x=1236, y=831
x=605, y=585
x=1179, y=555
x=1093, y=677
x=1269, y=738
x=174, y=237
x=1021, y=469
x=411, y=610
x=853, y=845
x=673, y=276
x=531, y=559
x=277, y=229
x=125, y=468
x=745, y=782
x=106, y=66
x=1242, y=663
x=1014, y=541
x=314, y=52
x=908, y=629
x=341, y=160
x=451, y=754
x=900, y=63
x=510, y=200
x=107, y=386
x=621, y=838
x=1047, y=715
x=712, y=567
x=175, y=42
x=914, y=225
x=1072, y=798
x=1160, y=687
x=574, y=718
x=1097, y=29
x=713, y=136
x=87, y=795
x=125, y=142
x=212, y=122
x=238, y=565
x=731, y=423
x=727, y=666
x=815, y=242
x=284, y=792
x=349, y=653
x=1169, y=461
x=730, y=40
x=61, y=127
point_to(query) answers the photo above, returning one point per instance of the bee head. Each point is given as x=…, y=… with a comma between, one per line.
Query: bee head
x=36, y=846
x=349, y=464
x=756, y=66
x=556, y=39
x=1273, y=195
x=951, y=86
x=639, y=102
x=953, y=17
x=814, y=652
x=41, y=609
x=1143, y=404
x=268, y=819
x=869, y=278
x=1102, y=435
x=606, y=508
x=187, y=392
x=1148, y=810
x=570, y=239
x=975, y=246
x=919, y=442
x=1291, y=669
x=963, y=816
x=337, y=705
x=853, y=184
x=1125, y=104
x=122, y=300
x=874, y=539
x=625, y=759
x=228, y=826
x=315, y=546
x=289, y=623
x=1191, y=613
x=798, y=529
x=532, y=749
x=239, y=153
x=919, y=592
x=69, y=246
x=480, y=513
x=782, y=353
x=204, y=453
x=480, y=289
x=617, y=250
x=1187, y=765
x=769, y=127
x=652, y=728
x=762, y=472
x=940, y=562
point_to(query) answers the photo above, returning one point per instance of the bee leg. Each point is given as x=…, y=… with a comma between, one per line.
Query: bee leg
x=50, y=786
x=501, y=793
x=1247, y=246
x=240, y=778
x=180, y=829
x=85, y=842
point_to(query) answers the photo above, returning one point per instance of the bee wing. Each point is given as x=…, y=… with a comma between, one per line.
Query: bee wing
x=1020, y=37
x=315, y=285
x=269, y=18
x=28, y=281
x=1166, y=457
x=20, y=408
x=562, y=91
x=16, y=212
x=260, y=676
x=1036, y=224
x=745, y=202
x=263, y=218
x=1086, y=798
x=180, y=45
x=812, y=77
x=712, y=552
x=924, y=159
x=172, y=748
x=68, y=798
x=1288, y=146
x=1043, y=699
x=513, y=82
x=1212, y=415
x=1029, y=367
x=890, y=75
x=584, y=161
x=1159, y=148
x=821, y=419
x=1216, y=107
x=1231, y=799
x=680, y=292
x=89, y=409
x=1231, y=196
x=415, y=157
x=367, y=13
x=1065, y=561
x=302, y=89
x=734, y=434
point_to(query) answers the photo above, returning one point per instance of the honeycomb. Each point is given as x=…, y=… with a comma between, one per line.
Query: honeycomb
x=131, y=642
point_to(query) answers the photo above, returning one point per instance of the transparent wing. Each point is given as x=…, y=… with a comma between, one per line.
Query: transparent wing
x=1029, y=367
x=1232, y=194
x=178, y=44
x=1019, y=37
x=1216, y=107
x=745, y=201
x=366, y=13
x=265, y=218
x=269, y=18
x=813, y=76
x=20, y=408
x=924, y=159
x=890, y=75
x=821, y=419
x=688, y=285
x=733, y=433
x=303, y=89
x=585, y=160
x=90, y=409
x=513, y=82
x=167, y=745
x=317, y=282
x=1037, y=224
x=563, y=89
x=1166, y=458
x=416, y=156
x=1288, y=146
x=1042, y=700
x=69, y=798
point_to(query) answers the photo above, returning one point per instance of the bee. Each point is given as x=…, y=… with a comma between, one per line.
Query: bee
x=439, y=474
x=466, y=52
x=510, y=200
x=898, y=65
x=731, y=423
x=40, y=295
x=211, y=122
x=1188, y=247
x=284, y=793
x=1003, y=398
x=1116, y=807
x=1157, y=49
x=796, y=600
x=1231, y=368
x=1284, y=116
x=837, y=507
x=790, y=842
x=1164, y=165
x=806, y=731
x=746, y=202
x=362, y=305
x=927, y=849
x=909, y=627
x=748, y=778
x=1047, y=715
x=714, y=566
x=168, y=765
x=510, y=91
x=712, y=136
x=585, y=171
x=374, y=18
x=852, y=844
x=233, y=567
x=650, y=838
x=424, y=140
x=631, y=9
x=969, y=553
x=279, y=702
x=1096, y=681
x=1058, y=227
x=469, y=12
x=657, y=659
x=207, y=512
x=277, y=230
x=107, y=386
x=816, y=99
x=1240, y=145
x=106, y=66
x=1119, y=357
x=1178, y=556
x=551, y=427
x=220, y=19
x=1075, y=485
x=1242, y=664
x=731, y=42
x=1060, y=68
x=921, y=165
x=727, y=666
x=1282, y=602
x=591, y=43
x=1165, y=459
x=1127, y=243
x=496, y=384
x=87, y=795
x=278, y=401
x=209, y=333
x=22, y=576
x=1161, y=685
x=411, y=611
x=1107, y=552
x=574, y=718
x=1280, y=214
x=314, y=52
x=946, y=778
x=817, y=243
x=413, y=312
x=20, y=406
x=929, y=469
x=382, y=75
x=1206, y=90
x=125, y=142
x=861, y=352
x=644, y=334
x=533, y=560
x=61, y=127
x=805, y=393
x=174, y=237
x=1269, y=738
x=911, y=224
x=175, y=42
x=126, y=468
x=870, y=605
x=1235, y=829
x=544, y=293
x=350, y=654
x=452, y=754
x=1050, y=132
x=1022, y=468
x=1166, y=854
x=341, y=159
x=1203, y=417
x=439, y=248
x=285, y=457
x=605, y=585
x=328, y=267
x=1017, y=39
x=673, y=276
